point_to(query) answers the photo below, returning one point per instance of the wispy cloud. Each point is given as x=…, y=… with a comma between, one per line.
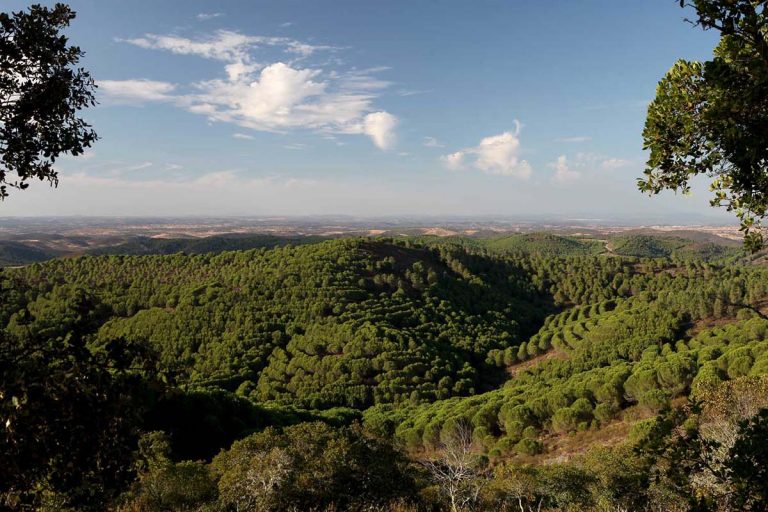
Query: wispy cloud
x=296, y=146
x=224, y=45
x=243, y=136
x=497, y=154
x=209, y=180
x=432, y=142
x=136, y=91
x=582, y=164
x=277, y=96
x=140, y=167
x=611, y=164
x=412, y=92
x=205, y=16
x=87, y=155
x=573, y=139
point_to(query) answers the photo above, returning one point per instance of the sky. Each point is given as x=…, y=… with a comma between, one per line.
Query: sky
x=429, y=107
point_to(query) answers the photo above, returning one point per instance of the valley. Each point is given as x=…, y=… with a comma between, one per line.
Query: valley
x=540, y=348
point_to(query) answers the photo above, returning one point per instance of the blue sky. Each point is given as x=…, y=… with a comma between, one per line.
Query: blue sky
x=517, y=107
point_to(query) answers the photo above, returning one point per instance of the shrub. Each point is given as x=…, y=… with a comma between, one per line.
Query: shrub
x=529, y=447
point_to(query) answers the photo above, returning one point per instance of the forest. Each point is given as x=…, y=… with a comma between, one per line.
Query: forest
x=531, y=371
x=404, y=373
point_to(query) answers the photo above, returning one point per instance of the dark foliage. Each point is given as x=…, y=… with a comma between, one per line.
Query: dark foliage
x=41, y=92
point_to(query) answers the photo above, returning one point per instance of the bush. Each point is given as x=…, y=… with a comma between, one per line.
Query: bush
x=604, y=413
x=565, y=420
x=655, y=400
x=529, y=447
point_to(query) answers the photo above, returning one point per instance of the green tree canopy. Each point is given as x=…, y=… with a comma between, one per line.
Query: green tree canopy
x=41, y=92
x=711, y=117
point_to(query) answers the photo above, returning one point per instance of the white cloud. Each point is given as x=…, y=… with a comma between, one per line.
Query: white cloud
x=237, y=69
x=214, y=179
x=270, y=97
x=136, y=91
x=583, y=164
x=611, y=164
x=305, y=50
x=205, y=16
x=267, y=103
x=206, y=181
x=87, y=155
x=140, y=167
x=563, y=173
x=497, y=154
x=412, y=92
x=243, y=136
x=454, y=161
x=224, y=45
x=573, y=139
x=380, y=127
x=431, y=142
x=296, y=146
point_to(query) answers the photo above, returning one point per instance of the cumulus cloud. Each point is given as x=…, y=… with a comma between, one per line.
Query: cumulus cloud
x=268, y=102
x=563, y=172
x=277, y=97
x=583, y=164
x=453, y=161
x=136, y=91
x=380, y=127
x=497, y=154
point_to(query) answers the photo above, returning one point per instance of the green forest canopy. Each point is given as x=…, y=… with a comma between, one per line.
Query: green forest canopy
x=413, y=339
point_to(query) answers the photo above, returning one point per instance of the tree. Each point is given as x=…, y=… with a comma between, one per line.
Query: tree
x=746, y=467
x=711, y=117
x=310, y=466
x=459, y=470
x=70, y=414
x=166, y=485
x=41, y=92
x=532, y=488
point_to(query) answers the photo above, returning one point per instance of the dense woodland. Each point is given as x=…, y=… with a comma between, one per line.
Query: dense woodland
x=532, y=371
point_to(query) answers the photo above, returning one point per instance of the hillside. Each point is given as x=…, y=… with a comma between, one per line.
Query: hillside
x=213, y=244
x=546, y=244
x=36, y=247
x=399, y=344
x=349, y=322
x=17, y=253
x=649, y=246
